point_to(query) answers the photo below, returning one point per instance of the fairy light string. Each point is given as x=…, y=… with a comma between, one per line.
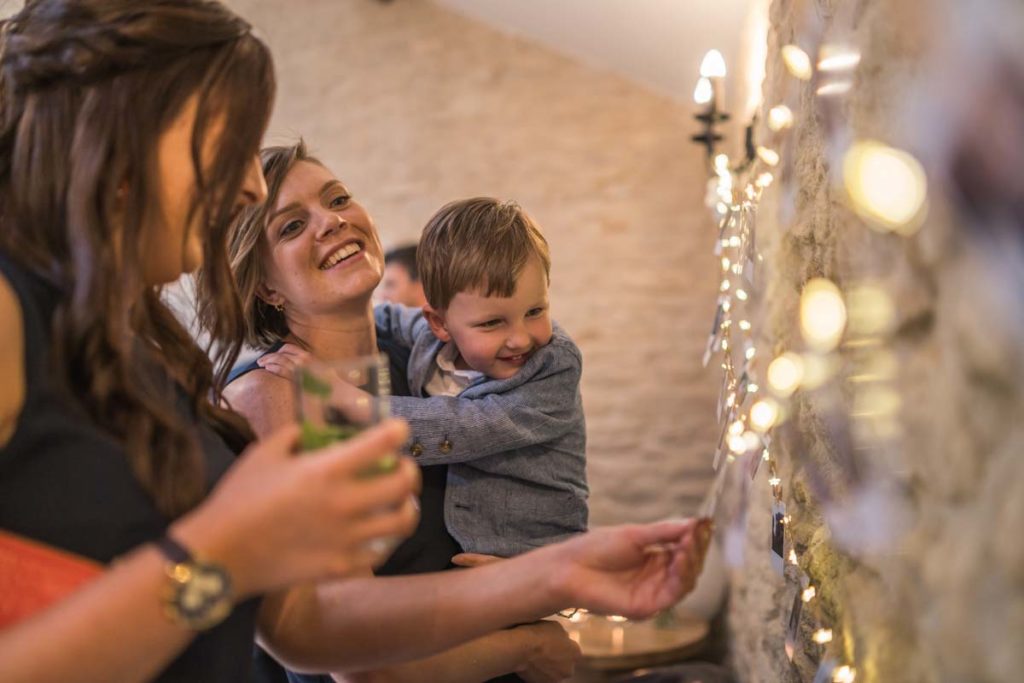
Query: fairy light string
x=886, y=188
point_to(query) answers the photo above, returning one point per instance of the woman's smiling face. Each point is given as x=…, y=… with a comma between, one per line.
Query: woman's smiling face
x=323, y=249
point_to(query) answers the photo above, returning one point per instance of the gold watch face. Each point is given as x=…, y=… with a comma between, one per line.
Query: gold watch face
x=200, y=595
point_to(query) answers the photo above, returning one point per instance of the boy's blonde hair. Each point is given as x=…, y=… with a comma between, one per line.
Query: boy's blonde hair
x=479, y=244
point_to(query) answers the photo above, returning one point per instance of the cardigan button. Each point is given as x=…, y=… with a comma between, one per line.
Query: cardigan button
x=446, y=447
x=416, y=450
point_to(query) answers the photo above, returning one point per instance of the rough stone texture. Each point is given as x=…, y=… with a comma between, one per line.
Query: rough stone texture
x=944, y=602
x=413, y=105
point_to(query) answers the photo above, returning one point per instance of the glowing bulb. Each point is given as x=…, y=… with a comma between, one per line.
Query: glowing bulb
x=713, y=65
x=741, y=294
x=752, y=388
x=844, y=674
x=764, y=414
x=745, y=325
x=837, y=58
x=764, y=180
x=780, y=117
x=616, y=618
x=822, y=636
x=835, y=88
x=774, y=481
x=737, y=444
x=703, y=93
x=886, y=186
x=822, y=314
x=736, y=428
x=797, y=61
x=877, y=401
x=750, y=353
x=768, y=156
x=725, y=286
x=872, y=311
x=726, y=263
x=785, y=374
x=765, y=455
x=808, y=594
x=752, y=441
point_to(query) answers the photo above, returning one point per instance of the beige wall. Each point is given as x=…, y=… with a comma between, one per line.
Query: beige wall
x=414, y=105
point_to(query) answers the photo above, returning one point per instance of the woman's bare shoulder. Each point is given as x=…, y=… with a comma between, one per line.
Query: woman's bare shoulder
x=12, y=360
x=263, y=398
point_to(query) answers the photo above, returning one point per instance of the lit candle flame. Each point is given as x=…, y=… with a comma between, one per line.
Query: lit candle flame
x=713, y=65
x=703, y=93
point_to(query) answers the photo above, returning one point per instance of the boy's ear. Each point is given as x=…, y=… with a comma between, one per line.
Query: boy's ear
x=437, y=324
x=269, y=296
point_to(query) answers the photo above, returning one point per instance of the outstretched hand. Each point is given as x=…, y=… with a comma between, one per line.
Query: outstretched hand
x=635, y=570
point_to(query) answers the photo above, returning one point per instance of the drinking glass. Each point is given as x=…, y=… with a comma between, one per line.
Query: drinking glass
x=335, y=400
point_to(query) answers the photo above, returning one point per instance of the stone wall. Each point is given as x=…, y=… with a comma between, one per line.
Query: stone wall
x=413, y=105
x=944, y=601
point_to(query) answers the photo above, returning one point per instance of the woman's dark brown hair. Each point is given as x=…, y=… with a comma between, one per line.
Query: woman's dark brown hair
x=86, y=89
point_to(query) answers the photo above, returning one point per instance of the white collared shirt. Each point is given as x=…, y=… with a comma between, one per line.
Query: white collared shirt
x=445, y=378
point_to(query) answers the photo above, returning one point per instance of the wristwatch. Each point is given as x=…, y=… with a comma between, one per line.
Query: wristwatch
x=198, y=594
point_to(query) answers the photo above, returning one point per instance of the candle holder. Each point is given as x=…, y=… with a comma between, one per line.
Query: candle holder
x=707, y=93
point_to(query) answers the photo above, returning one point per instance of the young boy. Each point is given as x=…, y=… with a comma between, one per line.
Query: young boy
x=487, y=352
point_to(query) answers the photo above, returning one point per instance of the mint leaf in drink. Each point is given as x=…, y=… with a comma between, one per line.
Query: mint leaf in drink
x=311, y=384
x=314, y=437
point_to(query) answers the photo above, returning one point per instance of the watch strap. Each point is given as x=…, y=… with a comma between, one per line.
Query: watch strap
x=173, y=551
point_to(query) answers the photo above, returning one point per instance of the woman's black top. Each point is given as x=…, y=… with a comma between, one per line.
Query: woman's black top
x=66, y=482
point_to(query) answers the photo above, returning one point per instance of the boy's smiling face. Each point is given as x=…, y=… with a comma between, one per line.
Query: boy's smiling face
x=497, y=335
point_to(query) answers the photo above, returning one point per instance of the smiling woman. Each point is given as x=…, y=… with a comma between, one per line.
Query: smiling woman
x=324, y=248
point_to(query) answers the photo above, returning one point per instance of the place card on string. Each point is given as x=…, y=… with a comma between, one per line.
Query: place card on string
x=778, y=537
x=715, y=338
x=793, y=625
